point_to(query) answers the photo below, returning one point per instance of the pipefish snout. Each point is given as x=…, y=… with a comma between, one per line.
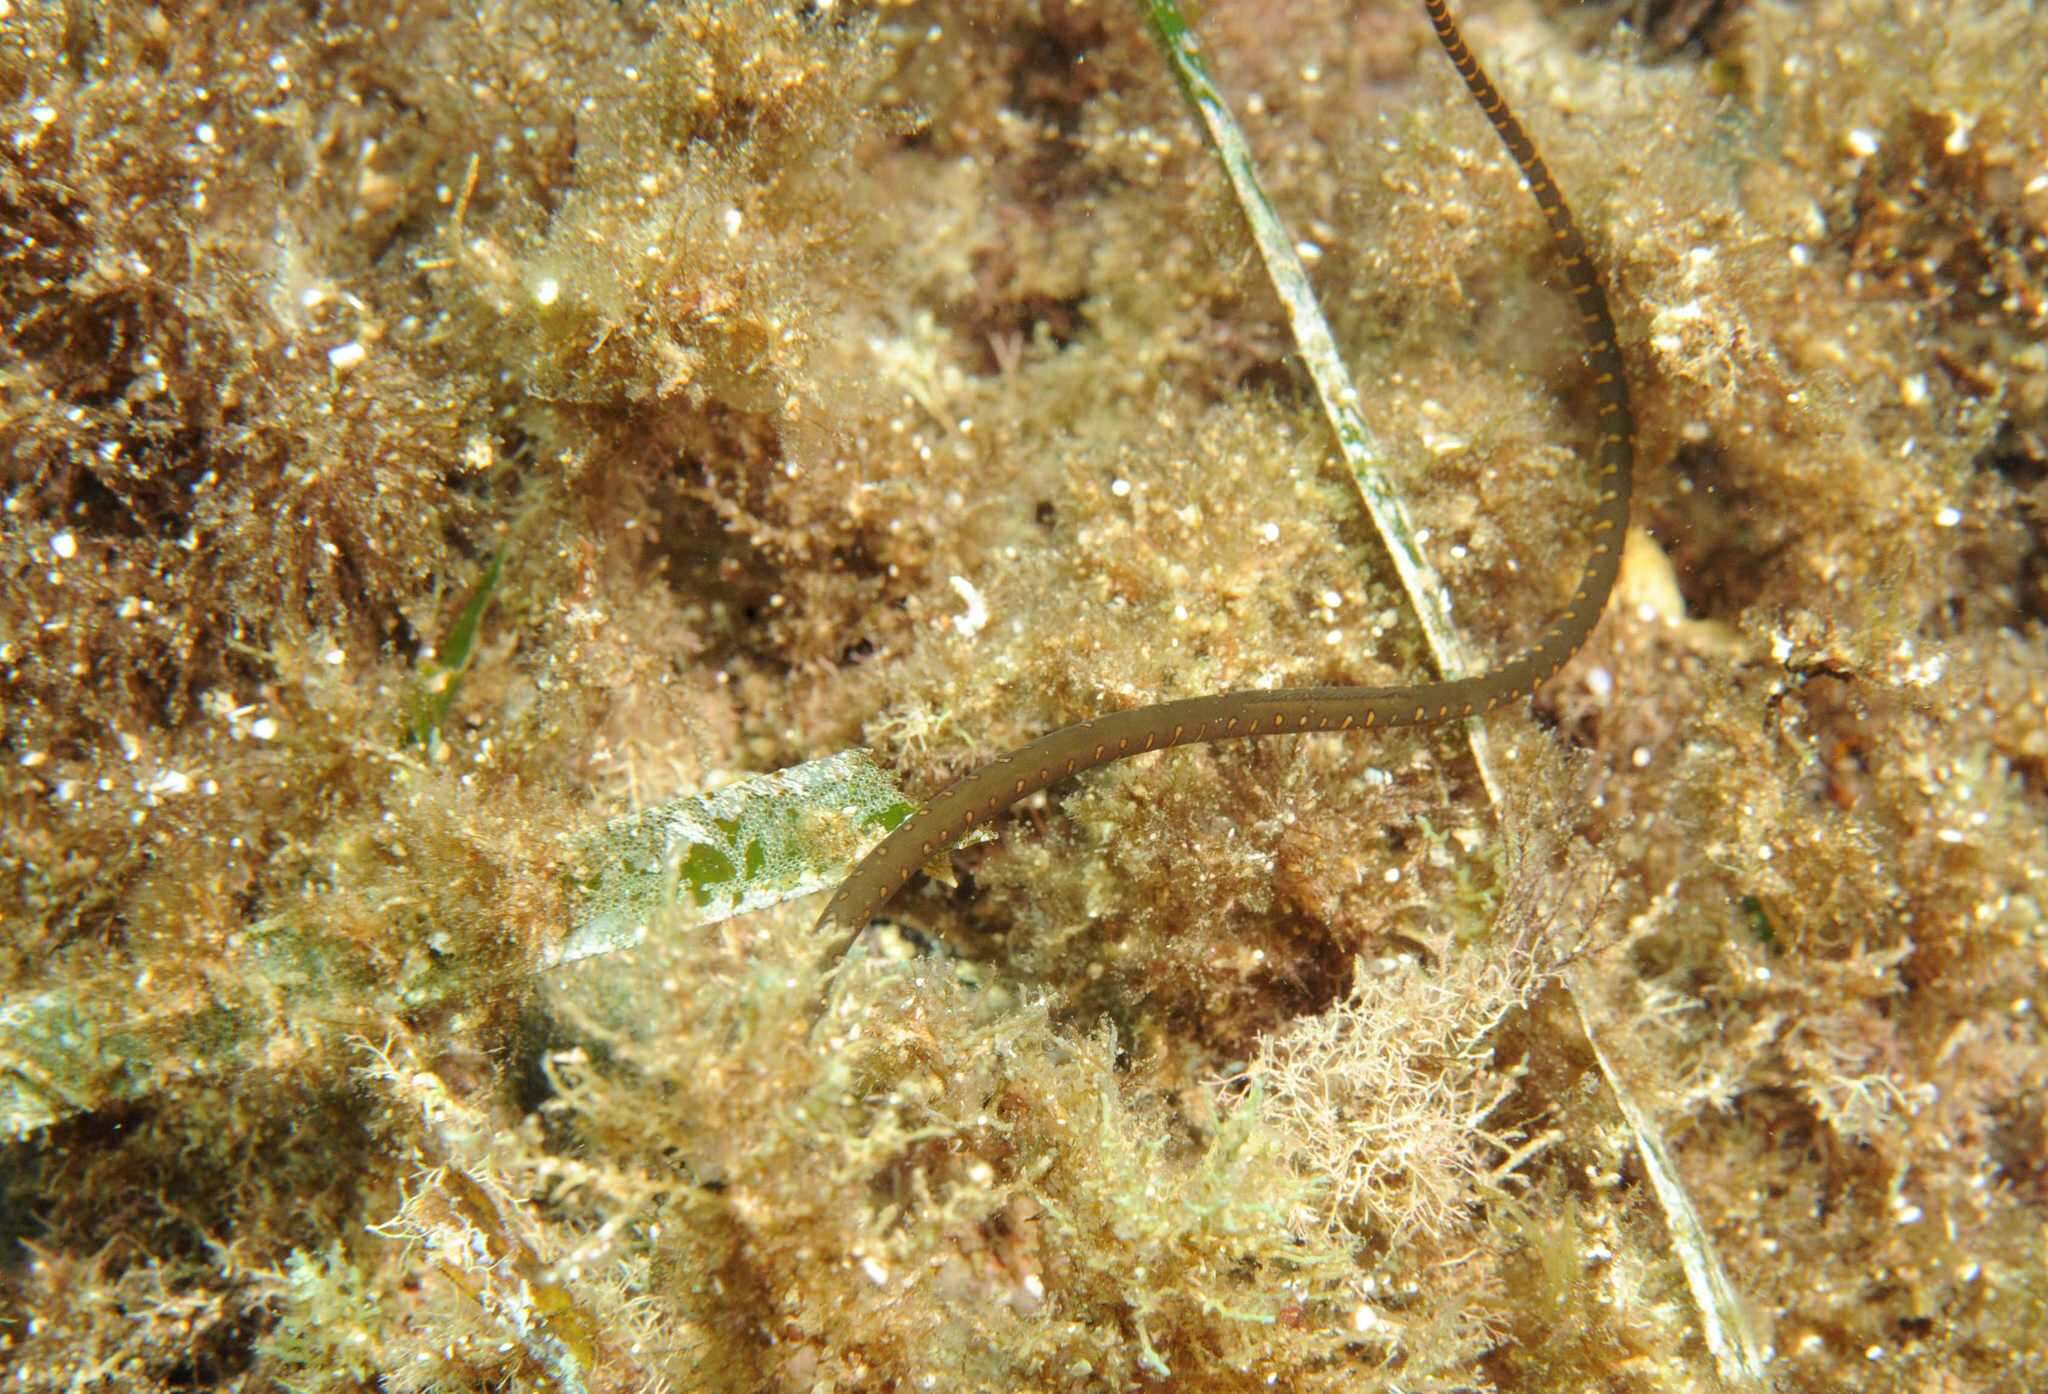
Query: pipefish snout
x=986, y=792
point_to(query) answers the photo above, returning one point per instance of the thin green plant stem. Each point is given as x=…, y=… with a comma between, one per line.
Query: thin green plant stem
x=1723, y=1322
x=1365, y=461
x=441, y=676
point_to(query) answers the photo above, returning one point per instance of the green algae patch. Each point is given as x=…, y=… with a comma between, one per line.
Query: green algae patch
x=754, y=843
x=55, y=1054
x=695, y=860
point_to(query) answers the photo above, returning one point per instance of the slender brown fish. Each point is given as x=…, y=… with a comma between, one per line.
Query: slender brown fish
x=986, y=792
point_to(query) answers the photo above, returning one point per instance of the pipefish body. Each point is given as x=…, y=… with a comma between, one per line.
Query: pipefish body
x=985, y=793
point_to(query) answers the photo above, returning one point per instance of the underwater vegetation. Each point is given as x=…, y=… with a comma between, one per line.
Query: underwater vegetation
x=436, y=440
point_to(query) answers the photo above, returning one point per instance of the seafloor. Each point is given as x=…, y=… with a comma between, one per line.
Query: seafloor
x=896, y=375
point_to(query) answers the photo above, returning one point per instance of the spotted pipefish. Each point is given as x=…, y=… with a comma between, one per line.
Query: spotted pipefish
x=982, y=795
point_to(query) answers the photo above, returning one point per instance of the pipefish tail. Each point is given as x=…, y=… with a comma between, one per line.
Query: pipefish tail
x=982, y=795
